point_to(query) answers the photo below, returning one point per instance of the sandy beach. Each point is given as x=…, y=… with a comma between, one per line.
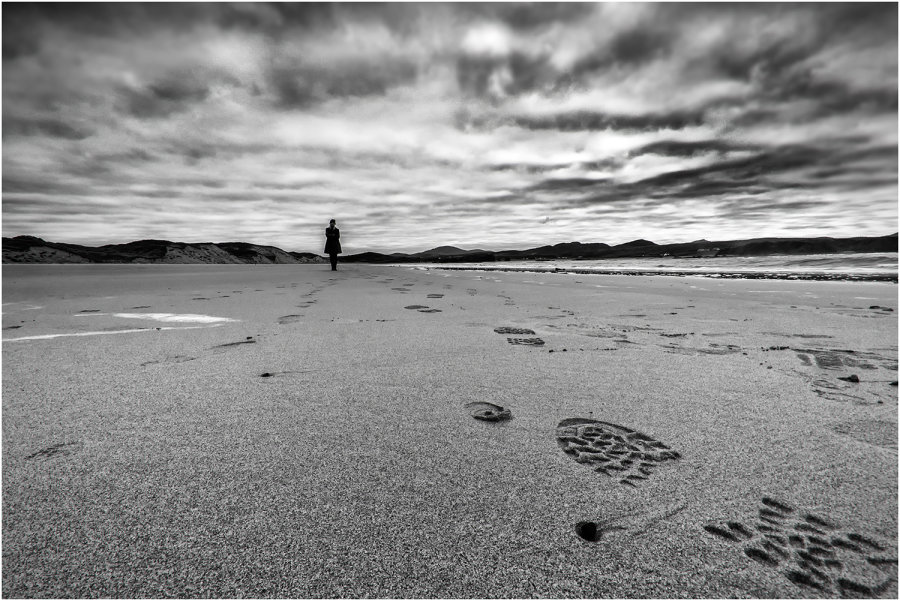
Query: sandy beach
x=288, y=431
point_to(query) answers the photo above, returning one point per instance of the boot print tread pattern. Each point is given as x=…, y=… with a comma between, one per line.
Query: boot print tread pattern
x=612, y=450
x=812, y=552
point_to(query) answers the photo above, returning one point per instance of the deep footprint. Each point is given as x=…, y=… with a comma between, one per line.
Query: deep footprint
x=506, y=330
x=588, y=531
x=812, y=552
x=248, y=340
x=526, y=341
x=488, y=412
x=612, y=450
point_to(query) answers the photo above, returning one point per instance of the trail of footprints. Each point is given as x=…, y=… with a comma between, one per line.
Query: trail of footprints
x=424, y=308
x=811, y=551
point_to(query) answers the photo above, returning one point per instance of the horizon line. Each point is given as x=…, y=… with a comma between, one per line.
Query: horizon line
x=389, y=252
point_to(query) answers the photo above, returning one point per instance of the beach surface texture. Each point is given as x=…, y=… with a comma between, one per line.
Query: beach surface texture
x=396, y=432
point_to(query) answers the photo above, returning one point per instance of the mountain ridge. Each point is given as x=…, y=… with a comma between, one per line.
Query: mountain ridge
x=30, y=249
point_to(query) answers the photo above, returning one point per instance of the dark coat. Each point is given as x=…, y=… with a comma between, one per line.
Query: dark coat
x=332, y=241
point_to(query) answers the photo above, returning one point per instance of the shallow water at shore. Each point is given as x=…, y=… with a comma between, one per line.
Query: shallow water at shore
x=846, y=266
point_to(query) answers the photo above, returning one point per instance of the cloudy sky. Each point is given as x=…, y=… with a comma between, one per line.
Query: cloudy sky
x=491, y=126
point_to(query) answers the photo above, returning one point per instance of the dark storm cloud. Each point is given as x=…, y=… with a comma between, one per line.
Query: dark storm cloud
x=18, y=41
x=14, y=185
x=568, y=184
x=836, y=98
x=639, y=46
x=770, y=170
x=585, y=121
x=137, y=156
x=300, y=86
x=528, y=16
x=52, y=128
x=528, y=168
x=626, y=49
x=679, y=148
x=592, y=121
x=105, y=18
x=162, y=98
x=130, y=18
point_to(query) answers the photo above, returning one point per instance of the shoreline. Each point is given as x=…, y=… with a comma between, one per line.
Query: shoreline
x=735, y=275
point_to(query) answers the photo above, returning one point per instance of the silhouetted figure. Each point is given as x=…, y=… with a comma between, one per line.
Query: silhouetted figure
x=332, y=244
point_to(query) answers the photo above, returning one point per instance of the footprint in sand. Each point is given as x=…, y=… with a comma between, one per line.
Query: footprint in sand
x=812, y=552
x=488, y=412
x=520, y=341
x=712, y=349
x=526, y=341
x=612, y=450
x=56, y=450
x=422, y=309
x=820, y=367
x=838, y=359
x=861, y=312
x=274, y=374
x=507, y=330
x=248, y=340
x=170, y=359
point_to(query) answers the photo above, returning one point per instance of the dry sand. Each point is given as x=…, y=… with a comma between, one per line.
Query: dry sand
x=322, y=446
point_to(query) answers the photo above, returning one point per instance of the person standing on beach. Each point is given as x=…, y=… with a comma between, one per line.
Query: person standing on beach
x=332, y=244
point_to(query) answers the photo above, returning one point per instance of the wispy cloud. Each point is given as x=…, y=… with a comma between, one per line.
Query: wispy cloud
x=481, y=125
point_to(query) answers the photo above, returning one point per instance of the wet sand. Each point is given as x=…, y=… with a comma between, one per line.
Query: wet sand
x=395, y=432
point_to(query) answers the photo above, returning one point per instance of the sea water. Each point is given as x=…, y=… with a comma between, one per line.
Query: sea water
x=855, y=266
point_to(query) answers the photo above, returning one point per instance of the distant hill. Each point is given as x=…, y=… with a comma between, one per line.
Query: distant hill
x=445, y=251
x=636, y=244
x=646, y=248
x=28, y=249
